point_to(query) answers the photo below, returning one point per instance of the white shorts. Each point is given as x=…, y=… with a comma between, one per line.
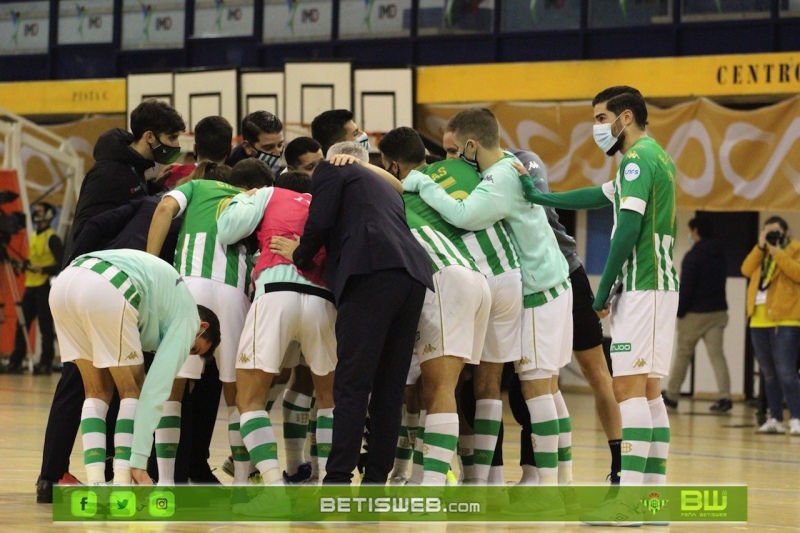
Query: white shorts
x=414, y=371
x=276, y=321
x=230, y=305
x=454, y=318
x=643, y=333
x=546, y=338
x=505, y=318
x=94, y=321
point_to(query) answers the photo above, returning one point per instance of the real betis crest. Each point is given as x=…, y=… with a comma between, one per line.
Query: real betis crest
x=654, y=503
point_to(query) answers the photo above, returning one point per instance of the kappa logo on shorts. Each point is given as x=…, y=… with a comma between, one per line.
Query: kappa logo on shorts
x=132, y=356
x=524, y=361
x=621, y=347
x=244, y=358
x=428, y=349
x=639, y=363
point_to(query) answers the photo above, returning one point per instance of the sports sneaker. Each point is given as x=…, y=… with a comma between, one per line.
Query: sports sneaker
x=398, y=481
x=794, y=426
x=723, y=405
x=267, y=504
x=772, y=426
x=44, y=487
x=302, y=475
x=570, y=498
x=227, y=466
x=204, y=476
x=548, y=505
x=452, y=480
x=41, y=369
x=615, y=512
x=672, y=404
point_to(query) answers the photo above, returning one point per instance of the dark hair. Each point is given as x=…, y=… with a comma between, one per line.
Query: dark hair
x=48, y=214
x=294, y=181
x=476, y=123
x=703, y=226
x=212, y=333
x=403, y=145
x=156, y=116
x=213, y=136
x=433, y=158
x=251, y=173
x=779, y=221
x=298, y=148
x=208, y=170
x=259, y=122
x=328, y=128
x=622, y=97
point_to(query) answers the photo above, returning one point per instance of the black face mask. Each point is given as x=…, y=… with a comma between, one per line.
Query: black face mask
x=164, y=154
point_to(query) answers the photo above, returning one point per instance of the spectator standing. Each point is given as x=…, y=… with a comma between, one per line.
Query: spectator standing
x=702, y=313
x=773, y=307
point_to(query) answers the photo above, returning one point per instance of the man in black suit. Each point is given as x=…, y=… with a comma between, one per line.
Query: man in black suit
x=378, y=274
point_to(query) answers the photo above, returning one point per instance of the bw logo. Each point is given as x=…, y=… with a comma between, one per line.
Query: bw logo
x=626, y=447
x=639, y=363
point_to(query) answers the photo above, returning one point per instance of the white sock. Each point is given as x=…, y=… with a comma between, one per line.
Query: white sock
x=168, y=435
x=544, y=432
x=123, y=437
x=441, y=441
x=488, y=414
x=564, y=440
x=93, y=436
x=637, y=432
x=656, y=469
x=324, y=438
x=241, y=458
x=259, y=438
x=530, y=475
x=296, y=407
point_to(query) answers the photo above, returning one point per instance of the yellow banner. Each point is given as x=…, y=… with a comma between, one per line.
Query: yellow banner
x=673, y=77
x=64, y=97
x=726, y=160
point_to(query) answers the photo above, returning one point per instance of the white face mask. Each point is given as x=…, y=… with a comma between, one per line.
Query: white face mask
x=363, y=140
x=691, y=240
x=603, y=137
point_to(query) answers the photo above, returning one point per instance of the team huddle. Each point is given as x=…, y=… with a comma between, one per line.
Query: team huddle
x=397, y=293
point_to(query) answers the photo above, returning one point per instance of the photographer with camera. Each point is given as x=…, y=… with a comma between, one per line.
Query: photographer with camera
x=773, y=307
x=45, y=254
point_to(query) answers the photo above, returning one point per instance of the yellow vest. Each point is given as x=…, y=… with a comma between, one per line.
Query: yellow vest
x=39, y=254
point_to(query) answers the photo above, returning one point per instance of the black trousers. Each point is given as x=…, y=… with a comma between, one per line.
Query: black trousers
x=36, y=306
x=376, y=326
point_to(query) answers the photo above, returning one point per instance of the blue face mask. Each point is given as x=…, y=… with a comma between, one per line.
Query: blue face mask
x=471, y=162
x=363, y=140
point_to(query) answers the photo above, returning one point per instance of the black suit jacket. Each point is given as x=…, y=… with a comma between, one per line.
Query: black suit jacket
x=361, y=221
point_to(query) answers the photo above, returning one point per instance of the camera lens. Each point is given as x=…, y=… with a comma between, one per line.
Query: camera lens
x=774, y=237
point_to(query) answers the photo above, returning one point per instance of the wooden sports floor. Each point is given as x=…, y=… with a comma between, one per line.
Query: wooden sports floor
x=706, y=449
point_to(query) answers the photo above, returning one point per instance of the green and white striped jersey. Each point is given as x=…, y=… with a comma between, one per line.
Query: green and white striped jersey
x=438, y=238
x=492, y=248
x=199, y=252
x=645, y=183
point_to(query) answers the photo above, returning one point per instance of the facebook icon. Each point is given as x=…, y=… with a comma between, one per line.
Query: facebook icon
x=83, y=503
